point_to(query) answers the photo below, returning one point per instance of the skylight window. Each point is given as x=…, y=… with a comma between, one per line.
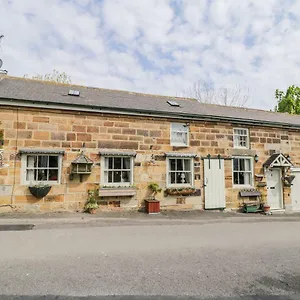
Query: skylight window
x=173, y=103
x=74, y=93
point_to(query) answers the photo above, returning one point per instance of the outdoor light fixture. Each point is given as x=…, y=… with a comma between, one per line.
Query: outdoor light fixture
x=256, y=158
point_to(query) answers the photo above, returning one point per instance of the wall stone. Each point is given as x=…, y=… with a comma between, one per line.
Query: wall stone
x=149, y=137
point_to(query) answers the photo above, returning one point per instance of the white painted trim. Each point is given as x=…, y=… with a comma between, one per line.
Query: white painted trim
x=243, y=186
x=187, y=138
x=117, y=184
x=248, y=138
x=169, y=185
x=23, y=180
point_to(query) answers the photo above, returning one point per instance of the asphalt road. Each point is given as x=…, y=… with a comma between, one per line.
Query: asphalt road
x=214, y=260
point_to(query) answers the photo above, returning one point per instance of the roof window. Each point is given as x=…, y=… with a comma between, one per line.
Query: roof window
x=173, y=103
x=74, y=93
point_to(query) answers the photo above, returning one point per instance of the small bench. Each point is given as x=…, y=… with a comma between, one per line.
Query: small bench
x=252, y=205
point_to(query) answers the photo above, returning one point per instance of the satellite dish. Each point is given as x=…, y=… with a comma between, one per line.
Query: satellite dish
x=1, y=63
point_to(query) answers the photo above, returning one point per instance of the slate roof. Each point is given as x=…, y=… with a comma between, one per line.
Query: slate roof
x=95, y=98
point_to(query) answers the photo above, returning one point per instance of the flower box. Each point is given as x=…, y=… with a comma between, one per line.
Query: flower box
x=39, y=191
x=152, y=206
x=116, y=192
x=180, y=191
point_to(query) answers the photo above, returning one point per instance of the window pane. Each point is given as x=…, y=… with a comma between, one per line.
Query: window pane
x=188, y=176
x=110, y=163
x=117, y=163
x=53, y=161
x=241, y=177
x=31, y=161
x=110, y=176
x=235, y=164
x=116, y=176
x=179, y=137
x=41, y=175
x=187, y=164
x=30, y=175
x=180, y=164
x=178, y=127
x=43, y=161
x=53, y=175
x=247, y=165
x=126, y=163
x=247, y=178
x=125, y=176
x=235, y=178
x=242, y=164
x=172, y=177
x=172, y=164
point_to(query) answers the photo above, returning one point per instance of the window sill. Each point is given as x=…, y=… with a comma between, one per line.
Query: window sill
x=180, y=145
x=240, y=187
x=116, y=191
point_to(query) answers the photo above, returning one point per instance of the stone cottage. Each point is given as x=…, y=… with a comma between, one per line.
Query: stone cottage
x=77, y=138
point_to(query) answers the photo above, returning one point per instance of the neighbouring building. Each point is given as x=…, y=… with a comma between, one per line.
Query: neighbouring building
x=77, y=138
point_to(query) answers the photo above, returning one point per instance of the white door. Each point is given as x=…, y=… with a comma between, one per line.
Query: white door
x=214, y=181
x=274, y=188
x=295, y=189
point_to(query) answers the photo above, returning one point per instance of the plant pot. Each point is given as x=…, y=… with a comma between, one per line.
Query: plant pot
x=39, y=192
x=267, y=208
x=152, y=206
x=92, y=210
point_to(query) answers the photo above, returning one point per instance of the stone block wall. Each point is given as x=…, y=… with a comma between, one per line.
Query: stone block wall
x=149, y=137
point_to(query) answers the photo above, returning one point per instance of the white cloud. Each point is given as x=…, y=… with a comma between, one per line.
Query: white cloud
x=156, y=46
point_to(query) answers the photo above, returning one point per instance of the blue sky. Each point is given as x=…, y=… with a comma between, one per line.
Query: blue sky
x=157, y=46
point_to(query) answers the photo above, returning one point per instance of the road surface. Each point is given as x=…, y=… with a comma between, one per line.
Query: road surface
x=213, y=260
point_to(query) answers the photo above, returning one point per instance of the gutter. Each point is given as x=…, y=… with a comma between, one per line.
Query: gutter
x=139, y=112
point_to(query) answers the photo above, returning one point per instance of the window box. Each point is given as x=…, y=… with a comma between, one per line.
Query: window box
x=152, y=206
x=40, y=191
x=180, y=191
x=117, y=191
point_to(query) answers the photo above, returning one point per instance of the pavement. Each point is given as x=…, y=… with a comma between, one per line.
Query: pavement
x=133, y=217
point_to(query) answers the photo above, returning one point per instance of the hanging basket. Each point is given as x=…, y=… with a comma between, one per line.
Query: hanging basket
x=39, y=192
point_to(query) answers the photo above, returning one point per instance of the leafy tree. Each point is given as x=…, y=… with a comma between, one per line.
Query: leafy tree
x=55, y=76
x=289, y=101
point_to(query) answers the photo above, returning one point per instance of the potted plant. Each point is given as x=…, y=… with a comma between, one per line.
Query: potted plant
x=152, y=205
x=40, y=190
x=91, y=205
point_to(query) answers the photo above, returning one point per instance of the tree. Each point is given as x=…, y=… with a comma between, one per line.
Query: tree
x=206, y=93
x=289, y=101
x=55, y=76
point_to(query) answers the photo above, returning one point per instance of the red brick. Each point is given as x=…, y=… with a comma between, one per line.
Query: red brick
x=120, y=137
x=108, y=124
x=121, y=124
x=114, y=130
x=155, y=133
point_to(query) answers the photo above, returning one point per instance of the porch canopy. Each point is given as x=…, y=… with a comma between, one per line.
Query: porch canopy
x=277, y=160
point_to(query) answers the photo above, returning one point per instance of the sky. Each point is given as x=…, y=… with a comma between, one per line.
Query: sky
x=157, y=46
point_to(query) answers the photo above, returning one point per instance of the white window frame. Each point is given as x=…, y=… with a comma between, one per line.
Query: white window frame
x=34, y=182
x=117, y=184
x=238, y=136
x=187, y=135
x=251, y=172
x=176, y=185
